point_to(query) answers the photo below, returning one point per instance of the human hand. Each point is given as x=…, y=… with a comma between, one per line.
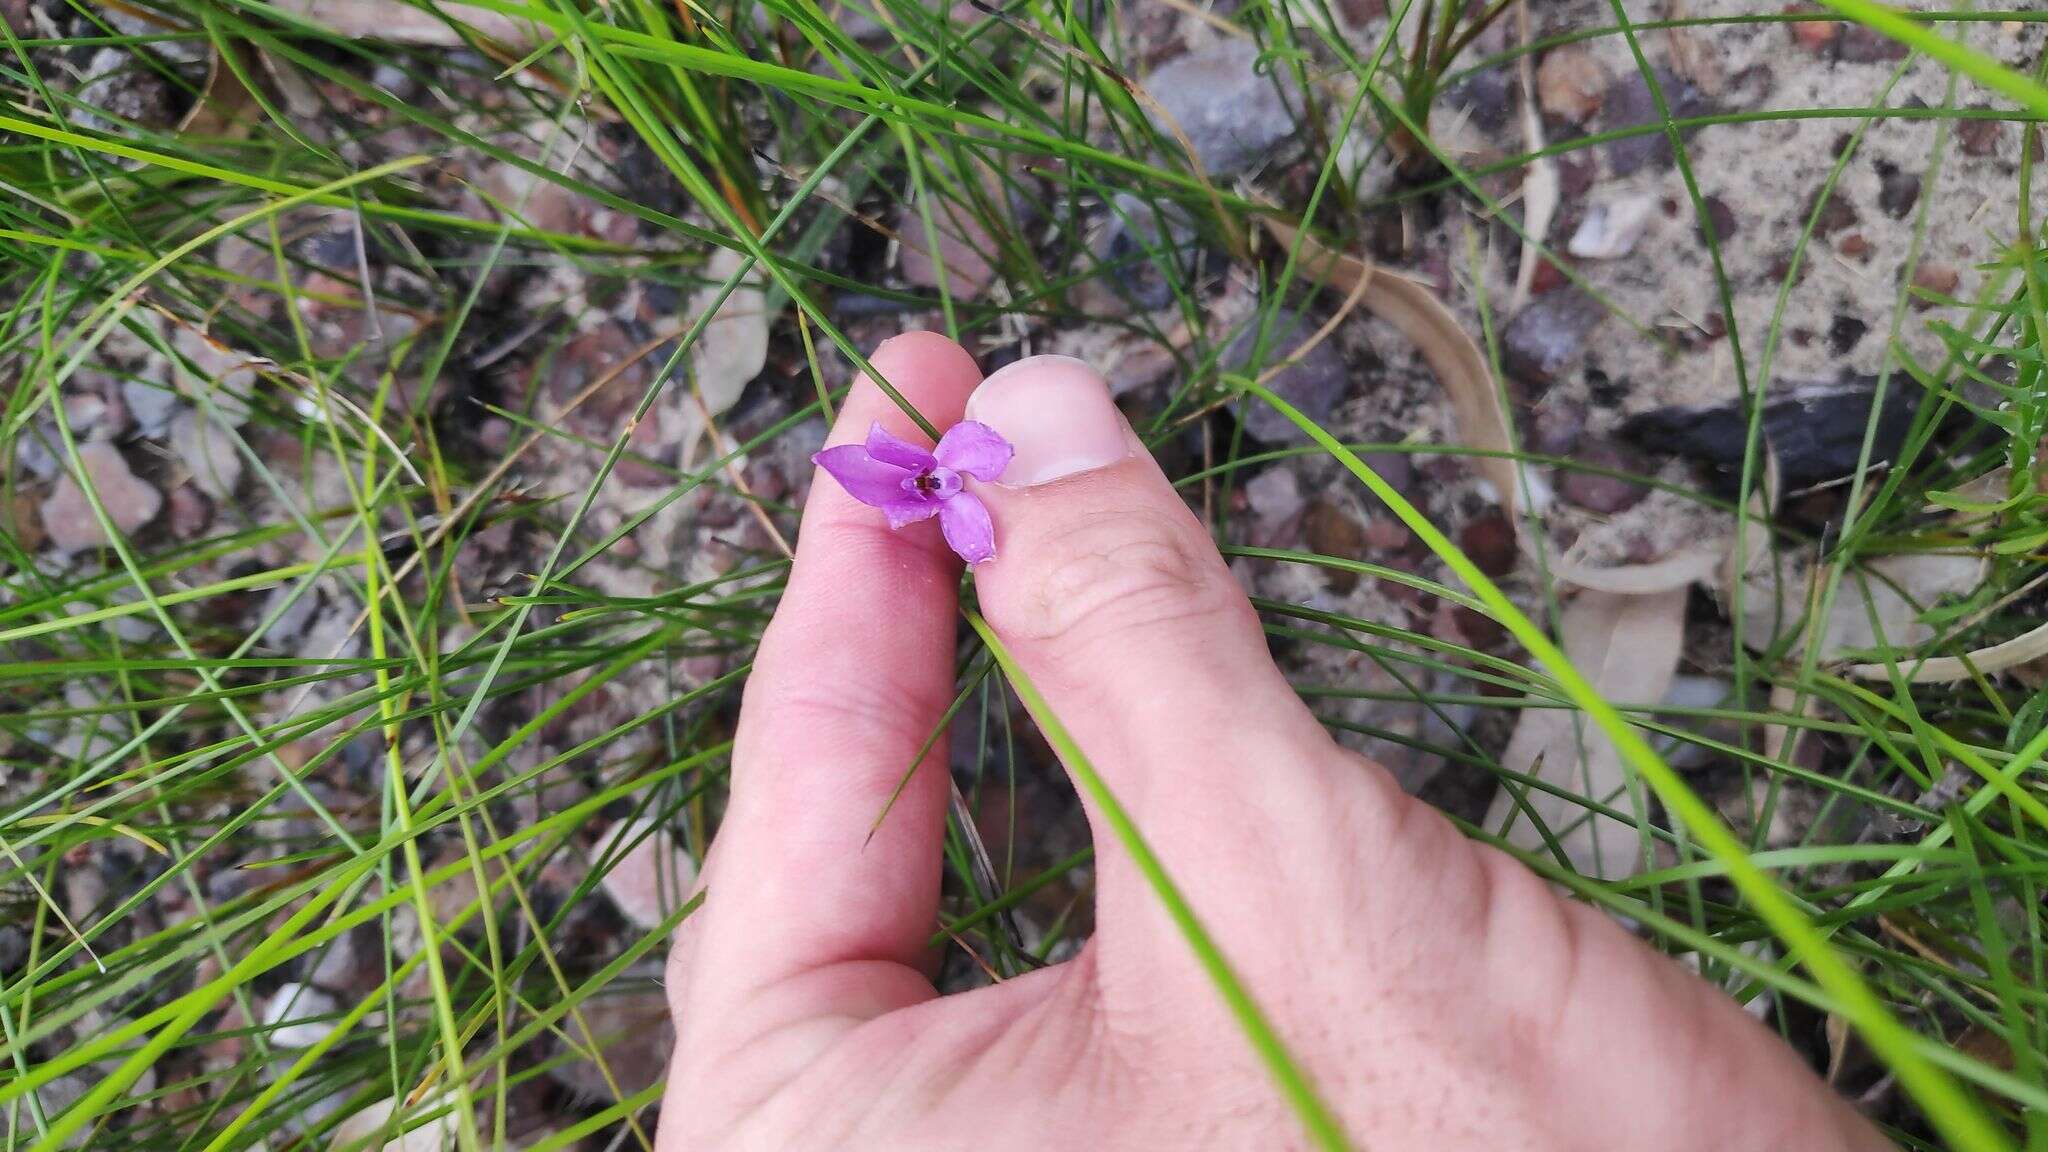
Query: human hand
x=1439, y=994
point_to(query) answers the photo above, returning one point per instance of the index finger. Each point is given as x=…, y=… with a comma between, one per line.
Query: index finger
x=852, y=676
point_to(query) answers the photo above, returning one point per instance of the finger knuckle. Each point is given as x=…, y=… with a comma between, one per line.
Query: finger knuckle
x=1115, y=574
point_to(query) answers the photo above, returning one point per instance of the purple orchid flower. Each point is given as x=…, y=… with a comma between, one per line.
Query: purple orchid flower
x=909, y=483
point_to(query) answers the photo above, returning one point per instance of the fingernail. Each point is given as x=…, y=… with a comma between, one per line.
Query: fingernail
x=1057, y=412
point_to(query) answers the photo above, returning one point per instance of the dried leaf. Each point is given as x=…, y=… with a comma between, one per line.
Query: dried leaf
x=1840, y=1035
x=1628, y=646
x=362, y=1129
x=2022, y=649
x=1457, y=361
x=394, y=22
x=1880, y=607
x=225, y=108
x=1678, y=570
x=1541, y=186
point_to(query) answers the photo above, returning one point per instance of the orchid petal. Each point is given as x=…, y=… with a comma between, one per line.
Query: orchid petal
x=911, y=511
x=891, y=450
x=976, y=449
x=968, y=529
x=865, y=478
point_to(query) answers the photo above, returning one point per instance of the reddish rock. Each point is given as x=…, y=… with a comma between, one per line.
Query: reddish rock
x=1387, y=534
x=1933, y=278
x=1834, y=215
x=1331, y=531
x=1980, y=137
x=1816, y=36
x=1597, y=492
x=19, y=521
x=1570, y=83
x=130, y=501
x=1489, y=541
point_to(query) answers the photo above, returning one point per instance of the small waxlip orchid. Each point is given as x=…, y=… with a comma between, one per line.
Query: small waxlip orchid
x=909, y=483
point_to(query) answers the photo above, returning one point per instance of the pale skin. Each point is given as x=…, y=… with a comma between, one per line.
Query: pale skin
x=1439, y=995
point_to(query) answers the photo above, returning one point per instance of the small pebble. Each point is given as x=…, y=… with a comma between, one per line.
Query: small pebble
x=1331, y=531
x=1844, y=333
x=1629, y=104
x=1489, y=541
x=1934, y=278
x=1570, y=83
x=1596, y=492
x=1314, y=383
x=1548, y=335
x=130, y=501
x=1980, y=137
x=1232, y=116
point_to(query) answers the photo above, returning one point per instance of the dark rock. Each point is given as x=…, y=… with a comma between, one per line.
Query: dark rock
x=1815, y=430
x=1597, y=492
x=1546, y=336
x=1844, y=334
x=1576, y=175
x=1331, y=531
x=1140, y=251
x=1860, y=45
x=1396, y=468
x=1836, y=214
x=13, y=948
x=1476, y=629
x=1897, y=192
x=1231, y=114
x=1314, y=383
x=1489, y=96
x=1629, y=104
x=1980, y=137
x=1489, y=541
x=1722, y=217
x=1605, y=390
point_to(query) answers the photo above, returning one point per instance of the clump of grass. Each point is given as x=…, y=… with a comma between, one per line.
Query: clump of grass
x=370, y=709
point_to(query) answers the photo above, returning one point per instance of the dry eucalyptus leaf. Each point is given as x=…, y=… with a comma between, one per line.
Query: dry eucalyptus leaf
x=2021, y=650
x=225, y=109
x=394, y=22
x=362, y=1129
x=1676, y=571
x=1627, y=645
x=652, y=878
x=1877, y=607
x=1541, y=187
x=1457, y=361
